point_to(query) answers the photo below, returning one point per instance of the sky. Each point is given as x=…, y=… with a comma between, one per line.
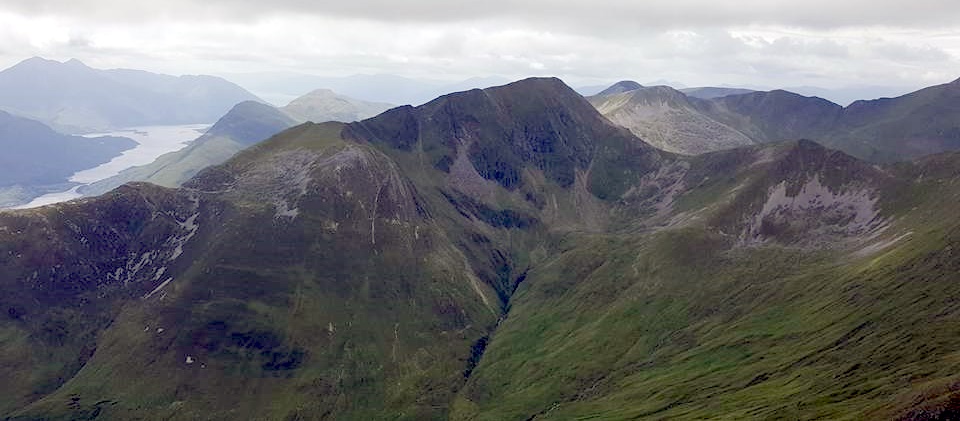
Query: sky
x=751, y=43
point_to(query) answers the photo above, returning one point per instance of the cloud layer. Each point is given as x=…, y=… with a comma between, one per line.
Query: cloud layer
x=748, y=42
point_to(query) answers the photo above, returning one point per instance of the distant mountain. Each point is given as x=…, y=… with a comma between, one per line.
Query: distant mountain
x=280, y=88
x=882, y=130
x=709, y=92
x=325, y=105
x=36, y=159
x=666, y=118
x=906, y=127
x=774, y=116
x=620, y=87
x=72, y=97
x=244, y=125
x=498, y=254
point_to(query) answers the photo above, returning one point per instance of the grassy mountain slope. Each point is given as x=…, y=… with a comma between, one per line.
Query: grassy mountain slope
x=689, y=323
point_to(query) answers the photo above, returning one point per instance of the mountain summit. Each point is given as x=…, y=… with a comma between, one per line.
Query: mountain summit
x=620, y=87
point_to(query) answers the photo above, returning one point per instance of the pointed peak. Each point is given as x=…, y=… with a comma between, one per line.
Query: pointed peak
x=75, y=63
x=620, y=87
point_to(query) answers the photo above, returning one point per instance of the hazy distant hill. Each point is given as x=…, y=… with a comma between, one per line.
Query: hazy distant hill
x=325, y=105
x=666, y=118
x=710, y=92
x=35, y=157
x=279, y=87
x=72, y=97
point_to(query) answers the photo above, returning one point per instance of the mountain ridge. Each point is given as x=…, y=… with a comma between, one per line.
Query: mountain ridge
x=497, y=254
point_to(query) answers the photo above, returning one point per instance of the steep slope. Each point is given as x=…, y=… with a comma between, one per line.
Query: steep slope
x=244, y=125
x=35, y=158
x=667, y=119
x=325, y=105
x=73, y=97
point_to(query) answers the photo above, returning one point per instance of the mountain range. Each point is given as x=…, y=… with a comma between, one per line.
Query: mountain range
x=882, y=130
x=282, y=87
x=74, y=98
x=496, y=254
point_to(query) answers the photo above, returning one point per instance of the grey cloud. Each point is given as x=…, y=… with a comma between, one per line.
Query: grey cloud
x=595, y=15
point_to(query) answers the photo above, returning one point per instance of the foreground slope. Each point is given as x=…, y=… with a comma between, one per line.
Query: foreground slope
x=498, y=254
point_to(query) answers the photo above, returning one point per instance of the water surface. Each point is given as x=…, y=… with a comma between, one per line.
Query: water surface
x=152, y=141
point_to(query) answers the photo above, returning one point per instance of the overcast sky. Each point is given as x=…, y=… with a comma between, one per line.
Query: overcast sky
x=764, y=43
